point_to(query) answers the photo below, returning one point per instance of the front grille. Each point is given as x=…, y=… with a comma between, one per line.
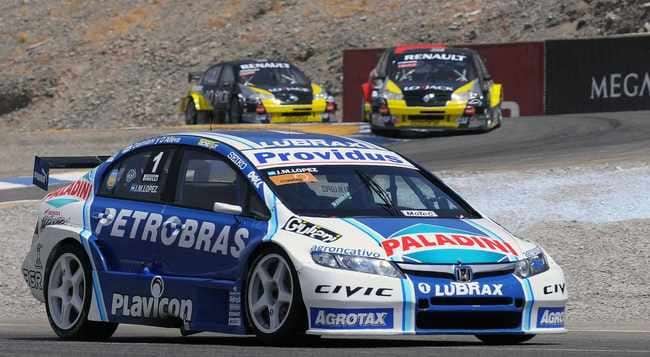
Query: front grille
x=415, y=98
x=477, y=275
x=303, y=97
x=426, y=117
x=467, y=320
x=295, y=114
x=472, y=301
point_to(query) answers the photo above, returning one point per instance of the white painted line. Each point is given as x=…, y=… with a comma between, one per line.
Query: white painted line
x=612, y=331
x=10, y=186
x=17, y=202
x=69, y=176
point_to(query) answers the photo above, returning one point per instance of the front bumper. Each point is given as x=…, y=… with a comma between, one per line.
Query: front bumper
x=446, y=118
x=286, y=113
x=345, y=302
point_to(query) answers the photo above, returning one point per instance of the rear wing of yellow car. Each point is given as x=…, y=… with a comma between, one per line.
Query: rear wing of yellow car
x=42, y=166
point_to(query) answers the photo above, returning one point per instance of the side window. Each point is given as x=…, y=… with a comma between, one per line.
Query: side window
x=205, y=179
x=405, y=197
x=228, y=76
x=140, y=176
x=211, y=76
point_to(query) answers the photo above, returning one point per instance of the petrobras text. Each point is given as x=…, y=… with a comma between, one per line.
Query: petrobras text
x=171, y=231
x=351, y=319
x=550, y=317
x=263, y=158
x=355, y=252
x=152, y=307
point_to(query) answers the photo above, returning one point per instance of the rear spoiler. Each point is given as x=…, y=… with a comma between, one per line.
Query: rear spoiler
x=193, y=76
x=42, y=166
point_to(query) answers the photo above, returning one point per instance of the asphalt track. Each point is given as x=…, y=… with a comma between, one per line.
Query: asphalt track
x=35, y=338
x=522, y=143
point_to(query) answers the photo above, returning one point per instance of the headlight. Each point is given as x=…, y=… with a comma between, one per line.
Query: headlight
x=534, y=263
x=392, y=96
x=324, y=96
x=360, y=264
x=258, y=97
x=466, y=96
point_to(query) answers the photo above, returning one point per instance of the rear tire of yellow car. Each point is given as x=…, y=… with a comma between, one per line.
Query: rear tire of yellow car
x=191, y=115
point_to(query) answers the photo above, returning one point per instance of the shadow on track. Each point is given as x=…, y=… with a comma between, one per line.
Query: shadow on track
x=249, y=341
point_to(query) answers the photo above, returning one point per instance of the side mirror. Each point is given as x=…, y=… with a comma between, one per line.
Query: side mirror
x=193, y=76
x=220, y=207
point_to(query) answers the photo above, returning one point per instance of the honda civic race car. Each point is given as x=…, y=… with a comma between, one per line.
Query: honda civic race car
x=256, y=91
x=431, y=87
x=279, y=234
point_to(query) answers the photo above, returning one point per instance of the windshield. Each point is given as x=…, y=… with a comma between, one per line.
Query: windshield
x=422, y=68
x=271, y=75
x=368, y=191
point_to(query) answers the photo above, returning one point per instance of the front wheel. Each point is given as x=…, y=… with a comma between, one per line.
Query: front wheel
x=504, y=339
x=234, y=112
x=68, y=292
x=273, y=299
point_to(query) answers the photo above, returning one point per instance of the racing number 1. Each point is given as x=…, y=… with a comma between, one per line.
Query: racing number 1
x=156, y=162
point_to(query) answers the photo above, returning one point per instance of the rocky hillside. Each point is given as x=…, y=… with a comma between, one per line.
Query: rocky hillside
x=114, y=63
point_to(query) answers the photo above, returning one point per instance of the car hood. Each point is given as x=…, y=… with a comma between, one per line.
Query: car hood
x=440, y=86
x=435, y=240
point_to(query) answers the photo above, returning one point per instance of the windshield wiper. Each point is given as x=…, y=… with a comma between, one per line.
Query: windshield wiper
x=383, y=195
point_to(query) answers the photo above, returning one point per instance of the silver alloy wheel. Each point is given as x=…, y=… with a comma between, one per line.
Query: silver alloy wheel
x=270, y=293
x=66, y=290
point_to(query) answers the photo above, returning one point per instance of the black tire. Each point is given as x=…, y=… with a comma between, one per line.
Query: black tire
x=295, y=323
x=504, y=340
x=234, y=111
x=385, y=132
x=204, y=117
x=498, y=117
x=191, y=115
x=82, y=329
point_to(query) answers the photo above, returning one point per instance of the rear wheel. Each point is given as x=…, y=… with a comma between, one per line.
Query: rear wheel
x=504, y=339
x=68, y=292
x=274, y=302
x=191, y=115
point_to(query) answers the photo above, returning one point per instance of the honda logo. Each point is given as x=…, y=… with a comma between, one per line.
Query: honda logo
x=463, y=273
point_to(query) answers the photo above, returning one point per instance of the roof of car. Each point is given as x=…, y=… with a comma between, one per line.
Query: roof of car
x=403, y=49
x=252, y=60
x=254, y=139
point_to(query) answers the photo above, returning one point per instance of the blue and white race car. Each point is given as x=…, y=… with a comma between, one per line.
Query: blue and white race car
x=279, y=234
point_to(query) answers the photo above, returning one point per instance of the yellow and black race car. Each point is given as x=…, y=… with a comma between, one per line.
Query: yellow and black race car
x=431, y=87
x=256, y=91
